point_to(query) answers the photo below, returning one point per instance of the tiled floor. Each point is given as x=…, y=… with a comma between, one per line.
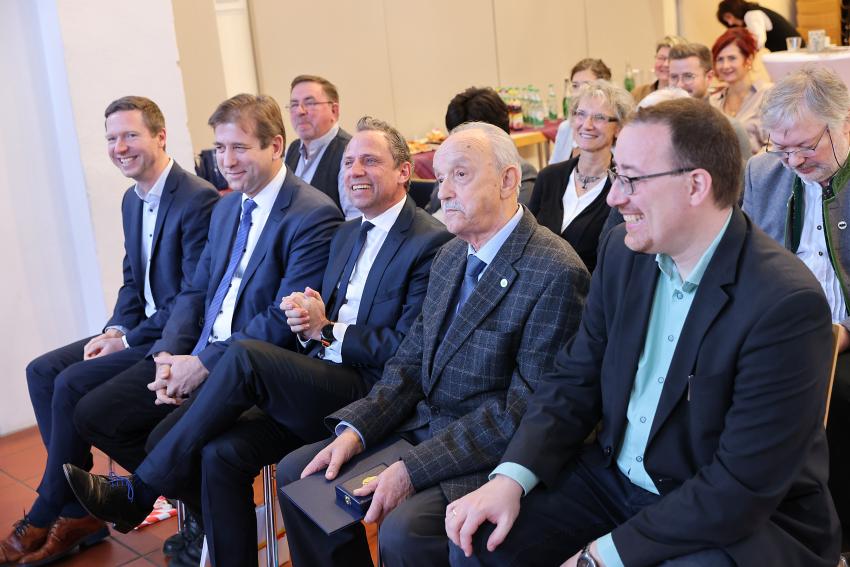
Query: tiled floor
x=22, y=458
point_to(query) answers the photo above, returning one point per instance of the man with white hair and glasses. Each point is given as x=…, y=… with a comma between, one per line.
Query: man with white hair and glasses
x=798, y=193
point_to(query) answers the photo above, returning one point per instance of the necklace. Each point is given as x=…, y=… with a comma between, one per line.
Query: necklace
x=585, y=180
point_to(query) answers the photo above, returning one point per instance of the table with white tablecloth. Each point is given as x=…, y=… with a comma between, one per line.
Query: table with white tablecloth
x=780, y=63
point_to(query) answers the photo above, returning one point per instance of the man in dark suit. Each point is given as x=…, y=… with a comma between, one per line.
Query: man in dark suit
x=501, y=299
x=798, y=192
x=374, y=286
x=704, y=350
x=165, y=218
x=266, y=240
x=316, y=155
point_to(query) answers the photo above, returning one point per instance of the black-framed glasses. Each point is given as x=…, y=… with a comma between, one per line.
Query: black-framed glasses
x=803, y=152
x=627, y=184
x=599, y=120
x=307, y=105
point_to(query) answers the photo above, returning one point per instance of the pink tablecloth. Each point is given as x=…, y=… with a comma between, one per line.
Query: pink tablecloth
x=423, y=163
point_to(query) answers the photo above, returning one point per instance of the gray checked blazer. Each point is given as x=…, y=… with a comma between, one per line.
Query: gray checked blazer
x=466, y=393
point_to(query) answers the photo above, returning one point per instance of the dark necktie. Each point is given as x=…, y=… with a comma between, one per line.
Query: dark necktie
x=339, y=298
x=236, y=253
x=474, y=267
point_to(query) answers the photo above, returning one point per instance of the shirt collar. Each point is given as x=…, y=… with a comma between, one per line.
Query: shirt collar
x=386, y=220
x=492, y=247
x=668, y=266
x=319, y=143
x=267, y=195
x=155, y=194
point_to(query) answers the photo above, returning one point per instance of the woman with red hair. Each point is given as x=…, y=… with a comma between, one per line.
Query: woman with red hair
x=733, y=55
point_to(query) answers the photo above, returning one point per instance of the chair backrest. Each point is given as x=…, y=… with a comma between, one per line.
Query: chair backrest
x=835, y=330
x=420, y=191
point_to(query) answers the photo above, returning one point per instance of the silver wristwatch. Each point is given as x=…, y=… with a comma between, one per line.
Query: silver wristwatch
x=585, y=559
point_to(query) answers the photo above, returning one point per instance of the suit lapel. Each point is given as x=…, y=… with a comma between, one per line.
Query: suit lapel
x=270, y=232
x=709, y=301
x=394, y=240
x=487, y=295
x=164, y=205
x=134, y=229
x=336, y=264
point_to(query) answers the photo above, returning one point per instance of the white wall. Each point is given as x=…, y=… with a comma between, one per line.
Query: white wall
x=64, y=61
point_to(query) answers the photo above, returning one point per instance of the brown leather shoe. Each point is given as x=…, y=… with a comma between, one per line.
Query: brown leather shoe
x=24, y=539
x=64, y=537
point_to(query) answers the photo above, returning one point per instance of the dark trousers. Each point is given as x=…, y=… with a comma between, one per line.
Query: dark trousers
x=838, y=437
x=414, y=533
x=215, y=441
x=117, y=416
x=588, y=501
x=57, y=381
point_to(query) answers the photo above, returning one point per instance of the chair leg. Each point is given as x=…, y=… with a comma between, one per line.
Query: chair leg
x=181, y=515
x=271, y=516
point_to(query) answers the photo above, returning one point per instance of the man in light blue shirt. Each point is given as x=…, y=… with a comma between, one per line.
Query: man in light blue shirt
x=704, y=351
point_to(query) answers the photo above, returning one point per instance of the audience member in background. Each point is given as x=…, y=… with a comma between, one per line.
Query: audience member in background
x=691, y=70
x=740, y=98
x=704, y=353
x=315, y=156
x=374, y=293
x=570, y=197
x=484, y=105
x=799, y=193
x=501, y=299
x=165, y=218
x=661, y=68
x=768, y=28
x=582, y=73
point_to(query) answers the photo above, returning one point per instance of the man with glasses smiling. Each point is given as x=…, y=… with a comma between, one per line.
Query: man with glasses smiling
x=315, y=156
x=798, y=193
x=706, y=370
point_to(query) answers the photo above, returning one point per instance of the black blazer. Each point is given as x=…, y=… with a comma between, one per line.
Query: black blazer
x=291, y=254
x=395, y=287
x=326, y=178
x=548, y=206
x=737, y=447
x=179, y=236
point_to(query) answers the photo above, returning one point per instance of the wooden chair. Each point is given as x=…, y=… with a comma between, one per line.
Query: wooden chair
x=835, y=330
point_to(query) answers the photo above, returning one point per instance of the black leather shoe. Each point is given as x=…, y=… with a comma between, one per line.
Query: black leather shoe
x=111, y=498
x=188, y=533
x=189, y=556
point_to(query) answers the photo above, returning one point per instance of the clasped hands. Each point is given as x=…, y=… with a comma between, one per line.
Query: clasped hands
x=177, y=376
x=305, y=313
x=105, y=343
x=391, y=487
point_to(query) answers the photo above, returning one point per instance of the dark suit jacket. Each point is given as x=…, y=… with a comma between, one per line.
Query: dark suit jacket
x=326, y=178
x=291, y=254
x=395, y=287
x=548, y=206
x=737, y=446
x=468, y=391
x=179, y=236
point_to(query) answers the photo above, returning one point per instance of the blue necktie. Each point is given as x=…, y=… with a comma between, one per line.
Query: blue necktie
x=339, y=298
x=474, y=267
x=236, y=253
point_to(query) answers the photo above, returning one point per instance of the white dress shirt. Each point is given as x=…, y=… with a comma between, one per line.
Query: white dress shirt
x=813, y=252
x=354, y=293
x=222, y=327
x=573, y=204
x=149, y=213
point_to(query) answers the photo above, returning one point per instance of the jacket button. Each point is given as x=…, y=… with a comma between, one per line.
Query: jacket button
x=435, y=410
x=608, y=451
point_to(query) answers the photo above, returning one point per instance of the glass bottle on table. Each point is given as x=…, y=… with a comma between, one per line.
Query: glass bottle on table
x=552, y=103
x=629, y=81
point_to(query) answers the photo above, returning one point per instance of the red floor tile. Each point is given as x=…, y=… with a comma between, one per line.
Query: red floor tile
x=25, y=463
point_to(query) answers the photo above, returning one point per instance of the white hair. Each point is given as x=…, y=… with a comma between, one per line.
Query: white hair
x=503, y=147
x=662, y=95
x=816, y=90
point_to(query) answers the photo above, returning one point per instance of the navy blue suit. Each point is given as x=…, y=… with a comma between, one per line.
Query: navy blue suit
x=59, y=378
x=291, y=254
x=293, y=391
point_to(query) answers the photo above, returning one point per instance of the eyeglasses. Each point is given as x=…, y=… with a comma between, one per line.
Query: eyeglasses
x=686, y=78
x=579, y=116
x=802, y=152
x=627, y=184
x=307, y=105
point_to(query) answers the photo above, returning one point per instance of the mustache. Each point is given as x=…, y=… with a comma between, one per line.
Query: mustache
x=453, y=205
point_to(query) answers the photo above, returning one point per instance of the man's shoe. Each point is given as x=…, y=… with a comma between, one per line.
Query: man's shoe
x=111, y=498
x=190, y=556
x=188, y=533
x=25, y=538
x=64, y=537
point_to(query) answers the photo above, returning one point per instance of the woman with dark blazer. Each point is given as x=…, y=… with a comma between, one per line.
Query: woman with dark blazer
x=569, y=197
